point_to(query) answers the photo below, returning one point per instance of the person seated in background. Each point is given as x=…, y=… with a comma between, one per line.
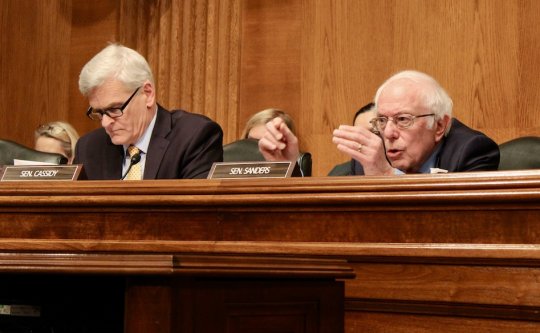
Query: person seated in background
x=362, y=117
x=137, y=134
x=56, y=137
x=416, y=134
x=255, y=129
x=256, y=125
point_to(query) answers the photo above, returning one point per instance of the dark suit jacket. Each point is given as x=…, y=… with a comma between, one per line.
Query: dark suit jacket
x=463, y=149
x=182, y=145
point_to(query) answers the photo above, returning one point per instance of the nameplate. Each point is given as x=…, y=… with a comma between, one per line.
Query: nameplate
x=40, y=172
x=242, y=170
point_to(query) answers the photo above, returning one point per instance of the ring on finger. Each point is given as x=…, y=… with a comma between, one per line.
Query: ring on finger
x=359, y=148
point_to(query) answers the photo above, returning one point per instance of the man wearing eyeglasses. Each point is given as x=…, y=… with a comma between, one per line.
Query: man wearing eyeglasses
x=120, y=88
x=415, y=133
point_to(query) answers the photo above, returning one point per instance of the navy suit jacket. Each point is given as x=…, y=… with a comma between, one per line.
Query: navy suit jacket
x=182, y=145
x=463, y=149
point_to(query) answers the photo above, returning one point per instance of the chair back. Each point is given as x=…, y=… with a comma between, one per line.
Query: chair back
x=247, y=150
x=242, y=151
x=10, y=150
x=520, y=153
x=343, y=169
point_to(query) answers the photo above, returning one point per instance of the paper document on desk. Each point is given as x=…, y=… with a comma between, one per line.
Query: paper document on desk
x=437, y=170
x=27, y=162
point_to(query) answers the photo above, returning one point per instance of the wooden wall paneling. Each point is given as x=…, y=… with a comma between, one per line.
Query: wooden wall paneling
x=525, y=119
x=228, y=67
x=496, y=68
x=345, y=55
x=35, y=46
x=94, y=24
x=437, y=38
x=192, y=47
x=271, y=48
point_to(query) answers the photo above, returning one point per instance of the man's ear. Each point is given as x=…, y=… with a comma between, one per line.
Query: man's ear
x=441, y=126
x=150, y=92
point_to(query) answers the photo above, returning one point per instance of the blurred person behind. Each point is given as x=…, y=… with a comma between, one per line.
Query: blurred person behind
x=56, y=137
x=256, y=125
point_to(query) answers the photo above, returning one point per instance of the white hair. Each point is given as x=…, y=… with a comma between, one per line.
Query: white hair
x=118, y=62
x=434, y=97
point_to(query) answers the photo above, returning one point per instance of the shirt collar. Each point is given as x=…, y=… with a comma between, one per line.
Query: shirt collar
x=144, y=140
x=431, y=161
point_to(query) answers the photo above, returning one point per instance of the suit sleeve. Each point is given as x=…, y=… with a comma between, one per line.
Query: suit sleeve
x=205, y=148
x=480, y=154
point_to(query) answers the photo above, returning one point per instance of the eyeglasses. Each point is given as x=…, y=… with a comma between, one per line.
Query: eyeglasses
x=402, y=121
x=97, y=114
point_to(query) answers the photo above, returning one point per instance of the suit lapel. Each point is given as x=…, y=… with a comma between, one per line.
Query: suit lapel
x=158, y=143
x=113, y=157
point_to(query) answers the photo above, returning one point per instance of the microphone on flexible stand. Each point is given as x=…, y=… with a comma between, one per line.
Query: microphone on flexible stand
x=136, y=158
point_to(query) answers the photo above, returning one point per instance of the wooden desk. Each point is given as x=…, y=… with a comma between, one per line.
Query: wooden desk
x=431, y=253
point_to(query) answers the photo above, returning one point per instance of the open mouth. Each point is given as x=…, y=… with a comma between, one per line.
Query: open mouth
x=393, y=153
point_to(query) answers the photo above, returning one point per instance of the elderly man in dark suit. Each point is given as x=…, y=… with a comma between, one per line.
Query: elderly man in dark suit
x=120, y=88
x=416, y=134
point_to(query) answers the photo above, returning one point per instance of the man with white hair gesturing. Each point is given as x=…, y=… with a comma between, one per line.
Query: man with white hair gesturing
x=416, y=134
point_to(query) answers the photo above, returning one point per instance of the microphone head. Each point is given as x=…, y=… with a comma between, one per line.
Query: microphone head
x=135, y=159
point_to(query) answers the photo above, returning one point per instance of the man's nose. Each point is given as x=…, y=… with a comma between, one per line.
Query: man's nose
x=106, y=121
x=391, y=131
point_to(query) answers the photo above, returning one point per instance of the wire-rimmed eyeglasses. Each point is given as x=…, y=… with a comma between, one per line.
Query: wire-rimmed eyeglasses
x=402, y=121
x=97, y=114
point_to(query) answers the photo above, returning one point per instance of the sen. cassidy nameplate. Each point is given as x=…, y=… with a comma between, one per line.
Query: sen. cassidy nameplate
x=240, y=170
x=40, y=172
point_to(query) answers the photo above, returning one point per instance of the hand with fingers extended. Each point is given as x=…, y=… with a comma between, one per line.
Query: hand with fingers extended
x=278, y=142
x=365, y=147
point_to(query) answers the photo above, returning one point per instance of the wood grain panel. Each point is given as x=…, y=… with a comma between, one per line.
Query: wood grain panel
x=444, y=283
x=33, y=71
x=460, y=249
x=93, y=26
x=270, y=72
x=382, y=323
x=193, y=49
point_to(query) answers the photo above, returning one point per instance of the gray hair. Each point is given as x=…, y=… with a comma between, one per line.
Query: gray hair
x=434, y=97
x=118, y=62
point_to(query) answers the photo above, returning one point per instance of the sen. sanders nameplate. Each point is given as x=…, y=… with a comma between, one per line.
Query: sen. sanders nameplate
x=242, y=170
x=40, y=172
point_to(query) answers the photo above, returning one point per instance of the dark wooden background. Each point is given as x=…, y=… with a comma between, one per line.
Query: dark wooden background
x=318, y=60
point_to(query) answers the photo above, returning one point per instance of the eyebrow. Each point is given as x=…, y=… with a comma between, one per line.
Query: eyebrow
x=409, y=112
x=110, y=106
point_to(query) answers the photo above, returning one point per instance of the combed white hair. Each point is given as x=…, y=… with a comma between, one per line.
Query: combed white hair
x=435, y=98
x=118, y=62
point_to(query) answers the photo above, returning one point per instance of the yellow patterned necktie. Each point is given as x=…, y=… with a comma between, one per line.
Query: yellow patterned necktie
x=135, y=171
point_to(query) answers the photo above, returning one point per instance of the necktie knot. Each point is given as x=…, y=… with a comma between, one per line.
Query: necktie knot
x=132, y=151
x=135, y=171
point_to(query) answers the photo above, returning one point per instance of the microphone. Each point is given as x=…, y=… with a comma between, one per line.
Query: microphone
x=136, y=158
